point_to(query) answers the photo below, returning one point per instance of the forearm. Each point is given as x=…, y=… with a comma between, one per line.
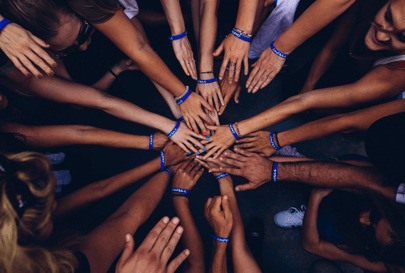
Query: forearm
x=174, y=15
x=219, y=258
x=310, y=234
x=354, y=121
x=325, y=11
x=238, y=232
x=120, y=30
x=191, y=237
x=105, y=81
x=208, y=34
x=335, y=175
x=62, y=135
x=101, y=189
x=246, y=15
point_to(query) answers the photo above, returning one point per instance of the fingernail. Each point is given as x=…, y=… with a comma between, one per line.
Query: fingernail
x=204, y=149
x=166, y=220
x=187, y=252
x=175, y=220
x=209, y=171
x=179, y=230
x=237, y=189
x=197, y=156
x=220, y=158
x=198, y=153
x=189, y=153
x=226, y=197
x=207, y=139
x=127, y=238
x=212, y=108
x=205, y=133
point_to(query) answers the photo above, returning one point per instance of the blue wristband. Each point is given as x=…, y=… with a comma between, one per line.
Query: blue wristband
x=151, y=137
x=240, y=36
x=174, y=130
x=180, y=191
x=273, y=142
x=184, y=97
x=162, y=161
x=219, y=239
x=169, y=171
x=274, y=171
x=277, y=52
x=181, y=118
x=234, y=133
x=178, y=36
x=4, y=23
x=207, y=81
x=222, y=175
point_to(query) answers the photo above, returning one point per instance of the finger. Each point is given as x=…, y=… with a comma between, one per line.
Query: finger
x=165, y=236
x=153, y=235
x=221, y=99
x=207, y=206
x=216, y=101
x=44, y=55
x=212, y=127
x=171, y=245
x=237, y=93
x=127, y=252
x=210, y=152
x=202, y=127
x=39, y=41
x=237, y=70
x=176, y=262
x=226, y=208
x=235, y=156
x=219, y=153
x=190, y=145
x=252, y=76
x=230, y=170
x=189, y=68
x=216, y=204
x=260, y=77
x=245, y=146
x=28, y=64
x=260, y=82
x=206, y=105
x=244, y=152
x=222, y=70
x=40, y=63
x=187, y=121
x=189, y=166
x=246, y=64
x=184, y=66
x=245, y=187
x=231, y=161
x=267, y=81
x=193, y=125
x=247, y=139
x=219, y=50
x=203, y=163
x=183, y=147
x=20, y=67
x=210, y=100
x=193, y=69
x=232, y=66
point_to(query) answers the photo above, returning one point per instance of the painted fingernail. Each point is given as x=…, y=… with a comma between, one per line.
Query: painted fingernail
x=198, y=153
x=212, y=108
x=127, y=238
x=189, y=153
x=166, y=220
x=175, y=220
x=204, y=149
x=207, y=139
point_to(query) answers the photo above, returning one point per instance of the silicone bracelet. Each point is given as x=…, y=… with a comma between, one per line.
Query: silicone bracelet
x=169, y=171
x=207, y=81
x=180, y=191
x=4, y=23
x=274, y=171
x=277, y=52
x=174, y=130
x=184, y=97
x=178, y=36
x=273, y=142
x=222, y=175
x=234, y=133
x=219, y=239
x=241, y=36
x=162, y=161
x=150, y=146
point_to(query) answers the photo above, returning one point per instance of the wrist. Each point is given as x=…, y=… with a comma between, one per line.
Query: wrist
x=282, y=44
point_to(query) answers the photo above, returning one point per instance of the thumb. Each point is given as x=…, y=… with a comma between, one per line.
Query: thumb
x=219, y=50
x=212, y=127
x=243, y=152
x=237, y=93
x=245, y=187
x=226, y=208
x=127, y=252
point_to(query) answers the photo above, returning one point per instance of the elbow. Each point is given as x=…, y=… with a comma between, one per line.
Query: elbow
x=300, y=102
x=309, y=246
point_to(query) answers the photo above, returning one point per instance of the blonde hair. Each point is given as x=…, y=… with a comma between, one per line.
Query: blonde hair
x=21, y=236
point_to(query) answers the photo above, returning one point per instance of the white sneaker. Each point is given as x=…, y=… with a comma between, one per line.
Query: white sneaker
x=293, y=217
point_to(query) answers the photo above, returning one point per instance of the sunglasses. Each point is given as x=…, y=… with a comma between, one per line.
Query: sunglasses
x=84, y=34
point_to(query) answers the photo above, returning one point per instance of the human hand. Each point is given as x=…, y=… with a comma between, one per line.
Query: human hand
x=194, y=116
x=173, y=154
x=229, y=89
x=211, y=93
x=255, y=168
x=26, y=51
x=264, y=70
x=211, y=163
x=219, y=215
x=124, y=65
x=159, y=141
x=236, y=52
x=257, y=142
x=187, y=175
x=219, y=142
x=184, y=54
x=187, y=139
x=155, y=251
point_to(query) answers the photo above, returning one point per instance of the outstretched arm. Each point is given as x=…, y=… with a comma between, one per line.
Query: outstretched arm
x=314, y=244
x=62, y=135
